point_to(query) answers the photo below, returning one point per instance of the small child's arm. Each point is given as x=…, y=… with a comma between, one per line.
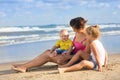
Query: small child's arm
x=53, y=48
x=57, y=45
x=97, y=57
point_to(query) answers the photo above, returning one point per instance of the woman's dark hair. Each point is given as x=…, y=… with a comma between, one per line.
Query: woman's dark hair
x=78, y=23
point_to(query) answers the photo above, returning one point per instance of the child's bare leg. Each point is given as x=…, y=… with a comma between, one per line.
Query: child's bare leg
x=38, y=61
x=76, y=67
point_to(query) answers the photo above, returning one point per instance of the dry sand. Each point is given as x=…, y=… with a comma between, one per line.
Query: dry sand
x=49, y=72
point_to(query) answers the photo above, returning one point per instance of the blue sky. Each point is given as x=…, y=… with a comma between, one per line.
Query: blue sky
x=43, y=12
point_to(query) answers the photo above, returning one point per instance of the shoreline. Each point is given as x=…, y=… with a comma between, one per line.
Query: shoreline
x=22, y=61
x=49, y=72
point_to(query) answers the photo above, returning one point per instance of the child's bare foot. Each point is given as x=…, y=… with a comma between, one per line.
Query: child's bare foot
x=61, y=70
x=19, y=68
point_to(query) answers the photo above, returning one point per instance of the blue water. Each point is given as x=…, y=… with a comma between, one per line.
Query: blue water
x=25, y=51
x=111, y=43
x=26, y=42
x=23, y=34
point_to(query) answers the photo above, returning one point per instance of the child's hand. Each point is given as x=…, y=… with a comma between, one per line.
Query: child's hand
x=105, y=64
x=100, y=69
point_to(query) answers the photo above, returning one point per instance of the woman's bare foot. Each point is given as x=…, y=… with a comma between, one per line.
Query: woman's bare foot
x=62, y=66
x=61, y=70
x=19, y=68
x=16, y=65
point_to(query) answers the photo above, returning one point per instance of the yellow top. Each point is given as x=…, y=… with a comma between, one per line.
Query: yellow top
x=64, y=45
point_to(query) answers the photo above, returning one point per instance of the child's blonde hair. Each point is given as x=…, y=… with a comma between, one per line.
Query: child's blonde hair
x=93, y=31
x=64, y=31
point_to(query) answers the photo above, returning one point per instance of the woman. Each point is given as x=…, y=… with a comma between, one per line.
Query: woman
x=78, y=24
x=82, y=49
x=98, y=53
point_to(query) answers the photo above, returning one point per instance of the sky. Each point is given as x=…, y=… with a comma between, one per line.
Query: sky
x=44, y=12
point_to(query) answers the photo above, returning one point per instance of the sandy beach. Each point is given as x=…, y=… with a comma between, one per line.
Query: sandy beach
x=49, y=72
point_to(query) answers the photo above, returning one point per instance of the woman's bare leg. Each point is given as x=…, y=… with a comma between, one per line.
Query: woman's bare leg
x=84, y=55
x=38, y=61
x=77, y=57
x=76, y=67
x=63, y=59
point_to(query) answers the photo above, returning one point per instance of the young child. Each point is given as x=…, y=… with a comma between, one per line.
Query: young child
x=98, y=53
x=62, y=45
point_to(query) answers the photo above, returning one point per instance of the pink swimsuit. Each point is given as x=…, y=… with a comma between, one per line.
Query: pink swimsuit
x=78, y=46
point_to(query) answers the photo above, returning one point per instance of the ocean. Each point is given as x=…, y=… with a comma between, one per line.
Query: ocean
x=25, y=42
x=25, y=34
